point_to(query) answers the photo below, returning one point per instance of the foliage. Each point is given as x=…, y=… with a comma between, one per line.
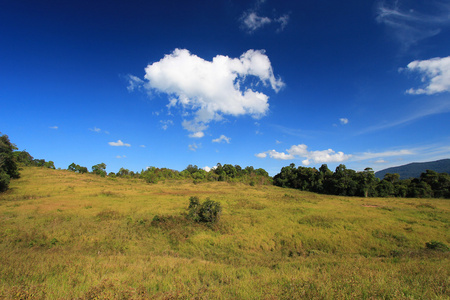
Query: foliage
x=77, y=168
x=439, y=246
x=7, y=157
x=99, y=169
x=4, y=181
x=347, y=182
x=8, y=166
x=207, y=212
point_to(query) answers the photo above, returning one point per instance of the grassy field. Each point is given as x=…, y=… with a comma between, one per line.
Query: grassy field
x=65, y=235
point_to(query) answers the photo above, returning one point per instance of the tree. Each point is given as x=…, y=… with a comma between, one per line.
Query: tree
x=368, y=182
x=99, y=169
x=7, y=158
x=23, y=157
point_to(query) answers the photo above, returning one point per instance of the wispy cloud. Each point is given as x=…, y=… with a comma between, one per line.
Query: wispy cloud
x=435, y=73
x=409, y=25
x=379, y=155
x=252, y=20
x=165, y=124
x=95, y=129
x=301, y=151
x=119, y=143
x=53, y=127
x=118, y=156
x=222, y=138
x=427, y=109
x=134, y=82
x=194, y=146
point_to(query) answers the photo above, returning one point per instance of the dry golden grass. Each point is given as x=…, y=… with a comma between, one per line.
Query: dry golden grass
x=65, y=235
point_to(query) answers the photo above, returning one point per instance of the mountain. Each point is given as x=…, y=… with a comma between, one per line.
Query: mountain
x=415, y=169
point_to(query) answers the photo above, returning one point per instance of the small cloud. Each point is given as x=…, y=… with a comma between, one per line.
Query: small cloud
x=283, y=20
x=343, y=121
x=435, y=74
x=194, y=147
x=95, y=129
x=142, y=146
x=206, y=168
x=118, y=156
x=261, y=155
x=251, y=21
x=134, y=82
x=53, y=127
x=278, y=142
x=197, y=135
x=119, y=143
x=380, y=161
x=222, y=138
x=166, y=124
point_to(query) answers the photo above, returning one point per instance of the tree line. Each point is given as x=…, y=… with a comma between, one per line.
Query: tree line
x=347, y=182
x=226, y=172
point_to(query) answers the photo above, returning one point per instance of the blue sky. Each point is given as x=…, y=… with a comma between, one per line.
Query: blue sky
x=254, y=83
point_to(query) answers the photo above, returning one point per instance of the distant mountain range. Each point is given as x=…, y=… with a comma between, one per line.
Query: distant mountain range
x=414, y=170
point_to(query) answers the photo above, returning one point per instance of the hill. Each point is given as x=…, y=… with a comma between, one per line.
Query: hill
x=66, y=235
x=413, y=170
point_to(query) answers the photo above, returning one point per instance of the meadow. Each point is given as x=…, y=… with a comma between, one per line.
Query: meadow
x=65, y=235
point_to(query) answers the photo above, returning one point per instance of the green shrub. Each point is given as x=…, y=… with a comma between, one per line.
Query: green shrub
x=206, y=212
x=439, y=246
x=4, y=181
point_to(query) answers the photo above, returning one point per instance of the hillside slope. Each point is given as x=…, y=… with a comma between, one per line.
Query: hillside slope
x=413, y=170
x=65, y=235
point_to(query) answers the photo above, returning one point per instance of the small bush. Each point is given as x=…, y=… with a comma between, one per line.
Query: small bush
x=439, y=246
x=206, y=212
x=4, y=181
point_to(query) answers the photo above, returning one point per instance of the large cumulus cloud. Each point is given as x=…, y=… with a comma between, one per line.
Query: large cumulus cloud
x=213, y=89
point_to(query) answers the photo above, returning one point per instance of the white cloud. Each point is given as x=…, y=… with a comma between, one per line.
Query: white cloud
x=142, y=146
x=251, y=21
x=436, y=75
x=206, y=168
x=379, y=155
x=134, y=82
x=119, y=143
x=166, y=124
x=283, y=20
x=95, y=129
x=211, y=89
x=409, y=25
x=261, y=155
x=301, y=151
x=118, y=156
x=197, y=135
x=380, y=161
x=222, y=138
x=53, y=127
x=343, y=121
x=194, y=146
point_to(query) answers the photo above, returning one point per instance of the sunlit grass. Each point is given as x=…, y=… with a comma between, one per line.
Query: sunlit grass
x=66, y=235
